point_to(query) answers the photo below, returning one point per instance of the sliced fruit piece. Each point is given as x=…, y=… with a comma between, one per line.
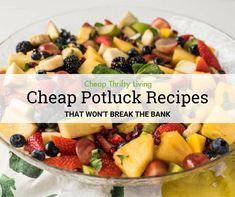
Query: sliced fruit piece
x=48, y=136
x=168, y=127
x=50, y=48
x=195, y=159
x=88, y=66
x=147, y=38
x=92, y=54
x=160, y=23
x=66, y=146
x=127, y=19
x=149, y=127
x=156, y=168
x=51, y=63
x=219, y=130
x=173, y=148
x=181, y=54
x=208, y=55
x=52, y=30
x=166, y=45
x=88, y=170
x=102, y=49
x=64, y=162
x=166, y=58
x=85, y=32
x=25, y=129
x=20, y=59
x=71, y=51
x=109, y=30
x=140, y=27
x=112, y=53
x=106, y=40
x=128, y=31
x=106, y=146
x=34, y=142
x=191, y=129
x=128, y=158
x=196, y=142
x=202, y=65
x=126, y=127
x=30, y=71
x=186, y=67
x=165, y=32
x=37, y=40
x=74, y=130
x=14, y=69
x=122, y=45
x=166, y=70
x=174, y=168
x=109, y=168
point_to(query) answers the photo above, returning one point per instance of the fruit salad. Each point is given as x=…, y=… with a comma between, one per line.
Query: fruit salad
x=125, y=149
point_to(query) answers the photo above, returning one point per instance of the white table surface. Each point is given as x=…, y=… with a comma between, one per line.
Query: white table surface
x=15, y=14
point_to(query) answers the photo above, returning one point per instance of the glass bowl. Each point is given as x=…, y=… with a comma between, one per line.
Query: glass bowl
x=72, y=21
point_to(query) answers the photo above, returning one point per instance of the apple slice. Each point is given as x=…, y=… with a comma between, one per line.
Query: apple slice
x=127, y=19
x=102, y=49
x=140, y=27
x=186, y=67
x=50, y=48
x=108, y=30
x=147, y=38
x=51, y=63
x=52, y=31
x=166, y=45
x=112, y=53
x=39, y=39
x=160, y=23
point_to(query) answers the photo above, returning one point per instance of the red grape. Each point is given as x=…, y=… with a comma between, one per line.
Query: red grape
x=50, y=48
x=195, y=159
x=156, y=168
x=84, y=148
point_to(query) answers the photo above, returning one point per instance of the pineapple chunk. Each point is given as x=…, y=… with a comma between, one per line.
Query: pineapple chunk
x=71, y=51
x=37, y=40
x=133, y=157
x=84, y=34
x=165, y=32
x=74, y=130
x=88, y=66
x=20, y=59
x=127, y=19
x=52, y=30
x=126, y=127
x=173, y=148
x=51, y=63
x=181, y=54
x=196, y=142
x=219, y=130
x=166, y=70
x=91, y=53
x=122, y=45
x=47, y=136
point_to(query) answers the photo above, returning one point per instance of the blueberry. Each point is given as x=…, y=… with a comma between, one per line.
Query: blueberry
x=194, y=50
x=17, y=140
x=219, y=146
x=45, y=54
x=41, y=72
x=81, y=47
x=133, y=52
x=209, y=153
x=158, y=61
x=39, y=155
x=36, y=55
x=71, y=39
x=52, y=125
x=64, y=34
x=181, y=41
x=146, y=50
x=51, y=149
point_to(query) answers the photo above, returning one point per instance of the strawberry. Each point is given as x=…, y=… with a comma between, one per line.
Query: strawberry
x=116, y=139
x=109, y=168
x=168, y=127
x=66, y=146
x=160, y=23
x=35, y=142
x=186, y=36
x=208, y=55
x=106, y=40
x=65, y=162
x=202, y=65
